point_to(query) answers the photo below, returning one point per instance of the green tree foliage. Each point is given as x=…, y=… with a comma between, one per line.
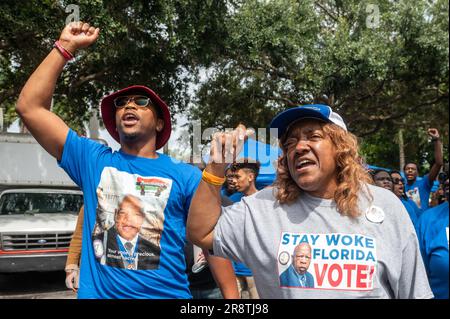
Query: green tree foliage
x=156, y=43
x=382, y=64
x=382, y=73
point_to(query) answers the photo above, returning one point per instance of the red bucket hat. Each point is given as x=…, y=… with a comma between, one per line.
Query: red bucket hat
x=109, y=112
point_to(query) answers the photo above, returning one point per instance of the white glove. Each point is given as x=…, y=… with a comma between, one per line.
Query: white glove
x=72, y=277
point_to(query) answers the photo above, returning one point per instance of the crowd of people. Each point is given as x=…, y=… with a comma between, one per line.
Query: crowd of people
x=155, y=228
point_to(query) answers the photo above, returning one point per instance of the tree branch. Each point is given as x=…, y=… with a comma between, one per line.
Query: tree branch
x=272, y=70
x=377, y=127
x=86, y=78
x=273, y=98
x=382, y=119
x=326, y=11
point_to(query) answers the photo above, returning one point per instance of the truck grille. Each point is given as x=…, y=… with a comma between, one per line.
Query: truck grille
x=36, y=241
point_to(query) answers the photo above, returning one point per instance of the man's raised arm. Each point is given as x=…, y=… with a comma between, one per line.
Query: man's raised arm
x=438, y=156
x=33, y=105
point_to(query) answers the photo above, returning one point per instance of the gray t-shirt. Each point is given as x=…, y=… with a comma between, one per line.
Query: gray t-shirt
x=373, y=256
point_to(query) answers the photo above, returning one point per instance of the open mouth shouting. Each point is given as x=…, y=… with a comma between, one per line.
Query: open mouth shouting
x=303, y=164
x=129, y=118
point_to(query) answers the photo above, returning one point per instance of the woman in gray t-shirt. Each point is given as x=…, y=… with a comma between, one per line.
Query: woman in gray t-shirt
x=322, y=231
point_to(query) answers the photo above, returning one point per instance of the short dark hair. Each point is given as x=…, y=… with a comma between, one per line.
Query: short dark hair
x=404, y=166
x=253, y=166
x=379, y=170
x=394, y=171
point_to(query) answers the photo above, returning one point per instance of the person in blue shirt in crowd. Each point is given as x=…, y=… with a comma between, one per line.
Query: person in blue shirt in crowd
x=419, y=190
x=139, y=120
x=297, y=274
x=433, y=236
x=382, y=178
x=399, y=190
x=385, y=179
x=229, y=187
x=438, y=197
x=245, y=173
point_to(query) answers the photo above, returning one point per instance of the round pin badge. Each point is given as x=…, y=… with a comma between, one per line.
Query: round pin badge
x=375, y=214
x=283, y=257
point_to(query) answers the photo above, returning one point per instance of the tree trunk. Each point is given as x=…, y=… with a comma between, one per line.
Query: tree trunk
x=401, y=149
x=94, y=126
x=166, y=149
x=1, y=120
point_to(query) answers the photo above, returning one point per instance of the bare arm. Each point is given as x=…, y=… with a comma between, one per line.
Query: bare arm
x=438, y=156
x=204, y=213
x=33, y=105
x=223, y=273
x=205, y=208
x=73, y=256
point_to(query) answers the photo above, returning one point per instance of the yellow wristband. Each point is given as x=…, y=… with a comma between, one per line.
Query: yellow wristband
x=212, y=179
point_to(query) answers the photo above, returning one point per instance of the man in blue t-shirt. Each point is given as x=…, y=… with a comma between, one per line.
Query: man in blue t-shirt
x=229, y=187
x=433, y=239
x=399, y=190
x=419, y=190
x=136, y=200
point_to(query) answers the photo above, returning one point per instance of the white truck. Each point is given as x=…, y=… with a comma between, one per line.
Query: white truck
x=39, y=205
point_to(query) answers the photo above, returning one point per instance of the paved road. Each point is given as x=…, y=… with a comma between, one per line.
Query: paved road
x=34, y=285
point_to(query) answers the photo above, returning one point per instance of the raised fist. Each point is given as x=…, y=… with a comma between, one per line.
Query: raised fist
x=433, y=133
x=77, y=35
x=225, y=146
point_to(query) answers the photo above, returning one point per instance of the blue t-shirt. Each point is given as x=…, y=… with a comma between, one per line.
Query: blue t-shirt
x=412, y=209
x=151, y=264
x=419, y=192
x=241, y=270
x=433, y=239
x=235, y=197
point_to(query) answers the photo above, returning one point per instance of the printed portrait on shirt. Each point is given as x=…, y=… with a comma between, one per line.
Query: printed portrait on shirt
x=326, y=261
x=414, y=194
x=130, y=219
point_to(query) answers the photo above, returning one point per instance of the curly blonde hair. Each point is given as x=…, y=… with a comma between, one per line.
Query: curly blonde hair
x=351, y=174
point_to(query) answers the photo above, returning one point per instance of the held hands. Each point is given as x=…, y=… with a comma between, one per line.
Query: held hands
x=433, y=133
x=77, y=35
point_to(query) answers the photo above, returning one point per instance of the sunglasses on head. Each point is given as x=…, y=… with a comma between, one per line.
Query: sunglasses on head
x=138, y=100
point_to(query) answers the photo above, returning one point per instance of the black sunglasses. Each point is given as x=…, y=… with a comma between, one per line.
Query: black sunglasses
x=398, y=181
x=138, y=100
